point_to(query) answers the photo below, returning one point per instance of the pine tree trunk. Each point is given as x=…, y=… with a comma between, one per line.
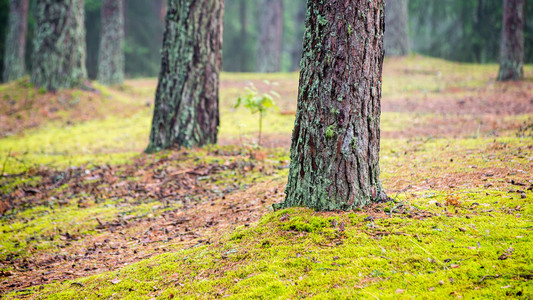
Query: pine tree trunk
x=14, y=67
x=396, y=33
x=59, y=44
x=111, y=58
x=270, y=40
x=512, y=45
x=186, y=105
x=335, y=142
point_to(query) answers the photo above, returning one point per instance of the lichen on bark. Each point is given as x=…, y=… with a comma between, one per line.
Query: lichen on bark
x=335, y=142
x=111, y=56
x=186, y=110
x=59, y=44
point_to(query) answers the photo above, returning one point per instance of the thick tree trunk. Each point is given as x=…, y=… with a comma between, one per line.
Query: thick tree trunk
x=512, y=45
x=59, y=44
x=186, y=104
x=14, y=67
x=270, y=40
x=111, y=58
x=296, y=52
x=335, y=142
x=396, y=33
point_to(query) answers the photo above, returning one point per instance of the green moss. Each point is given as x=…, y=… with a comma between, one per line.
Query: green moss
x=330, y=131
x=300, y=253
x=114, y=140
x=322, y=20
x=40, y=227
x=297, y=252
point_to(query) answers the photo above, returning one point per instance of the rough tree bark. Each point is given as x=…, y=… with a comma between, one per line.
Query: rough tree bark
x=335, y=142
x=512, y=45
x=59, y=44
x=186, y=104
x=14, y=67
x=396, y=20
x=270, y=40
x=111, y=57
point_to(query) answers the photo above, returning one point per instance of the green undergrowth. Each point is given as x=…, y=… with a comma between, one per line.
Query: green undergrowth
x=296, y=253
x=478, y=248
x=116, y=140
x=417, y=75
x=113, y=140
x=427, y=158
x=74, y=207
x=116, y=136
x=44, y=227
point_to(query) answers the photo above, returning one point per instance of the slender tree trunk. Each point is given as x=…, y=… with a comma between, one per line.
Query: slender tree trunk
x=160, y=8
x=396, y=35
x=512, y=45
x=296, y=53
x=186, y=104
x=59, y=44
x=335, y=142
x=111, y=58
x=244, y=33
x=270, y=40
x=14, y=67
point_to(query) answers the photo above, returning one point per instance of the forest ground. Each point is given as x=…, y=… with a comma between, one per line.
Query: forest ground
x=86, y=214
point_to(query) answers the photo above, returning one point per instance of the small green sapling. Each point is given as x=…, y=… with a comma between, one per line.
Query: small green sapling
x=258, y=103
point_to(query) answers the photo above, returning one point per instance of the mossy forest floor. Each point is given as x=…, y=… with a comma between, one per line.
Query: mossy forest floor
x=85, y=214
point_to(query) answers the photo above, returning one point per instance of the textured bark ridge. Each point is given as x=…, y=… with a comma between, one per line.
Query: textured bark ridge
x=270, y=40
x=16, y=40
x=335, y=142
x=111, y=58
x=59, y=44
x=186, y=104
x=396, y=20
x=512, y=45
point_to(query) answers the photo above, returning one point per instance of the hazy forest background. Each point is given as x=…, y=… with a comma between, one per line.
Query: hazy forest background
x=301, y=152
x=463, y=31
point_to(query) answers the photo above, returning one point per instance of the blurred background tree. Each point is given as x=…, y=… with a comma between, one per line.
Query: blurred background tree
x=465, y=31
x=397, y=33
x=111, y=56
x=59, y=45
x=143, y=36
x=4, y=16
x=270, y=38
x=15, y=46
x=458, y=30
